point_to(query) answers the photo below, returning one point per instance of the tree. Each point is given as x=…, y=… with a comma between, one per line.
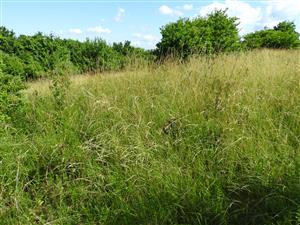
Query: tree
x=7, y=40
x=213, y=34
x=282, y=36
x=39, y=55
x=10, y=97
x=286, y=26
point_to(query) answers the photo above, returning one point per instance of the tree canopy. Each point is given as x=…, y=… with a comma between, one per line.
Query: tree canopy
x=282, y=36
x=212, y=34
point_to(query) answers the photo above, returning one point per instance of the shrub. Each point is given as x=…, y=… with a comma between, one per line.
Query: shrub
x=11, y=103
x=131, y=56
x=34, y=56
x=98, y=56
x=7, y=40
x=13, y=65
x=213, y=34
x=282, y=36
x=32, y=68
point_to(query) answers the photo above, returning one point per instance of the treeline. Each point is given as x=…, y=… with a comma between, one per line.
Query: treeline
x=282, y=36
x=217, y=32
x=31, y=57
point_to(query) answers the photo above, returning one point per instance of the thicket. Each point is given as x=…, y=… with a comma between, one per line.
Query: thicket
x=218, y=33
x=11, y=102
x=205, y=35
x=282, y=36
x=36, y=56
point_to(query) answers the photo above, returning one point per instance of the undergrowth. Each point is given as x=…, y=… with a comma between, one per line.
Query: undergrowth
x=213, y=141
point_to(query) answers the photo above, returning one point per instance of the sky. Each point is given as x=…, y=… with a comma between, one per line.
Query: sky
x=136, y=20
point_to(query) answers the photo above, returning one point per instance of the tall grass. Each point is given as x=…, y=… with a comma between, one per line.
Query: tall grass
x=212, y=141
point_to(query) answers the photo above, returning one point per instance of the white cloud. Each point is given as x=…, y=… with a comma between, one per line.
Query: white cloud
x=166, y=10
x=248, y=15
x=137, y=35
x=75, y=31
x=177, y=11
x=146, y=37
x=282, y=10
x=136, y=43
x=99, y=30
x=148, y=40
x=120, y=15
x=256, y=17
x=187, y=7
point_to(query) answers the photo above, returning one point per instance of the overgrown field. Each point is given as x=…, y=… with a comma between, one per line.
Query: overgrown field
x=212, y=141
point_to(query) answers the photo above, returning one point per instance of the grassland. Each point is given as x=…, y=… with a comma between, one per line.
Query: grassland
x=212, y=141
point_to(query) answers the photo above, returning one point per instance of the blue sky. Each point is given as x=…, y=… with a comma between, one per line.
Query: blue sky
x=137, y=21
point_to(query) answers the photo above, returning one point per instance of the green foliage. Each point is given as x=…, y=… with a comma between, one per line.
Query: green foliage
x=133, y=57
x=36, y=56
x=98, y=56
x=286, y=26
x=223, y=32
x=13, y=65
x=298, y=216
x=124, y=49
x=212, y=141
x=214, y=34
x=282, y=36
x=11, y=102
x=7, y=40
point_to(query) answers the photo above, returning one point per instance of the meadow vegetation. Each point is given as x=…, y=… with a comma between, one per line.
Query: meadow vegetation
x=205, y=129
x=214, y=140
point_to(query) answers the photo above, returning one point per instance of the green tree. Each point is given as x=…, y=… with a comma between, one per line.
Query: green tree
x=282, y=36
x=212, y=34
x=31, y=57
x=11, y=103
x=7, y=40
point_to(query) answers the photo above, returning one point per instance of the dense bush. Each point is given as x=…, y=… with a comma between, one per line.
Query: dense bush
x=7, y=40
x=10, y=97
x=213, y=34
x=13, y=65
x=132, y=56
x=282, y=36
x=97, y=55
x=40, y=55
x=35, y=56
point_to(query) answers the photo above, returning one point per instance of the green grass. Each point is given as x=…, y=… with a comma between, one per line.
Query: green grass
x=213, y=141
